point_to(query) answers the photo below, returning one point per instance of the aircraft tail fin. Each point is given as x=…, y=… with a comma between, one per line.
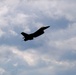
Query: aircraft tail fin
x=24, y=34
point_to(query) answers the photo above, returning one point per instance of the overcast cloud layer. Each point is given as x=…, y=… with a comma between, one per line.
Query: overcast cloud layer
x=53, y=53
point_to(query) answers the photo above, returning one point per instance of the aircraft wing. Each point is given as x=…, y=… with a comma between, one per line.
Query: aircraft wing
x=37, y=33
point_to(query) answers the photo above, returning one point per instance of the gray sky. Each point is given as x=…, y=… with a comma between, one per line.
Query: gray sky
x=53, y=53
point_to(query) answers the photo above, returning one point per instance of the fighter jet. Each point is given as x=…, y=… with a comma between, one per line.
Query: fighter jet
x=35, y=34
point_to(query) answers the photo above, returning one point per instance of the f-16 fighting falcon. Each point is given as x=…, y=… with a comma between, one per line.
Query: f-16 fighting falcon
x=35, y=34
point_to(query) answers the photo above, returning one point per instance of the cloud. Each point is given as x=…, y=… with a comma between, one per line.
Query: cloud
x=2, y=71
x=66, y=35
x=30, y=60
x=53, y=53
x=27, y=56
x=1, y=33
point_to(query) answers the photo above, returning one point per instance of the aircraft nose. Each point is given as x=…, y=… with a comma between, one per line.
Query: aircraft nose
x=47, y=27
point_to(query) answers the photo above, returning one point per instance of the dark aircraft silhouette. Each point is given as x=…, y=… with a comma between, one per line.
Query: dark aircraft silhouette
x=35, y=34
